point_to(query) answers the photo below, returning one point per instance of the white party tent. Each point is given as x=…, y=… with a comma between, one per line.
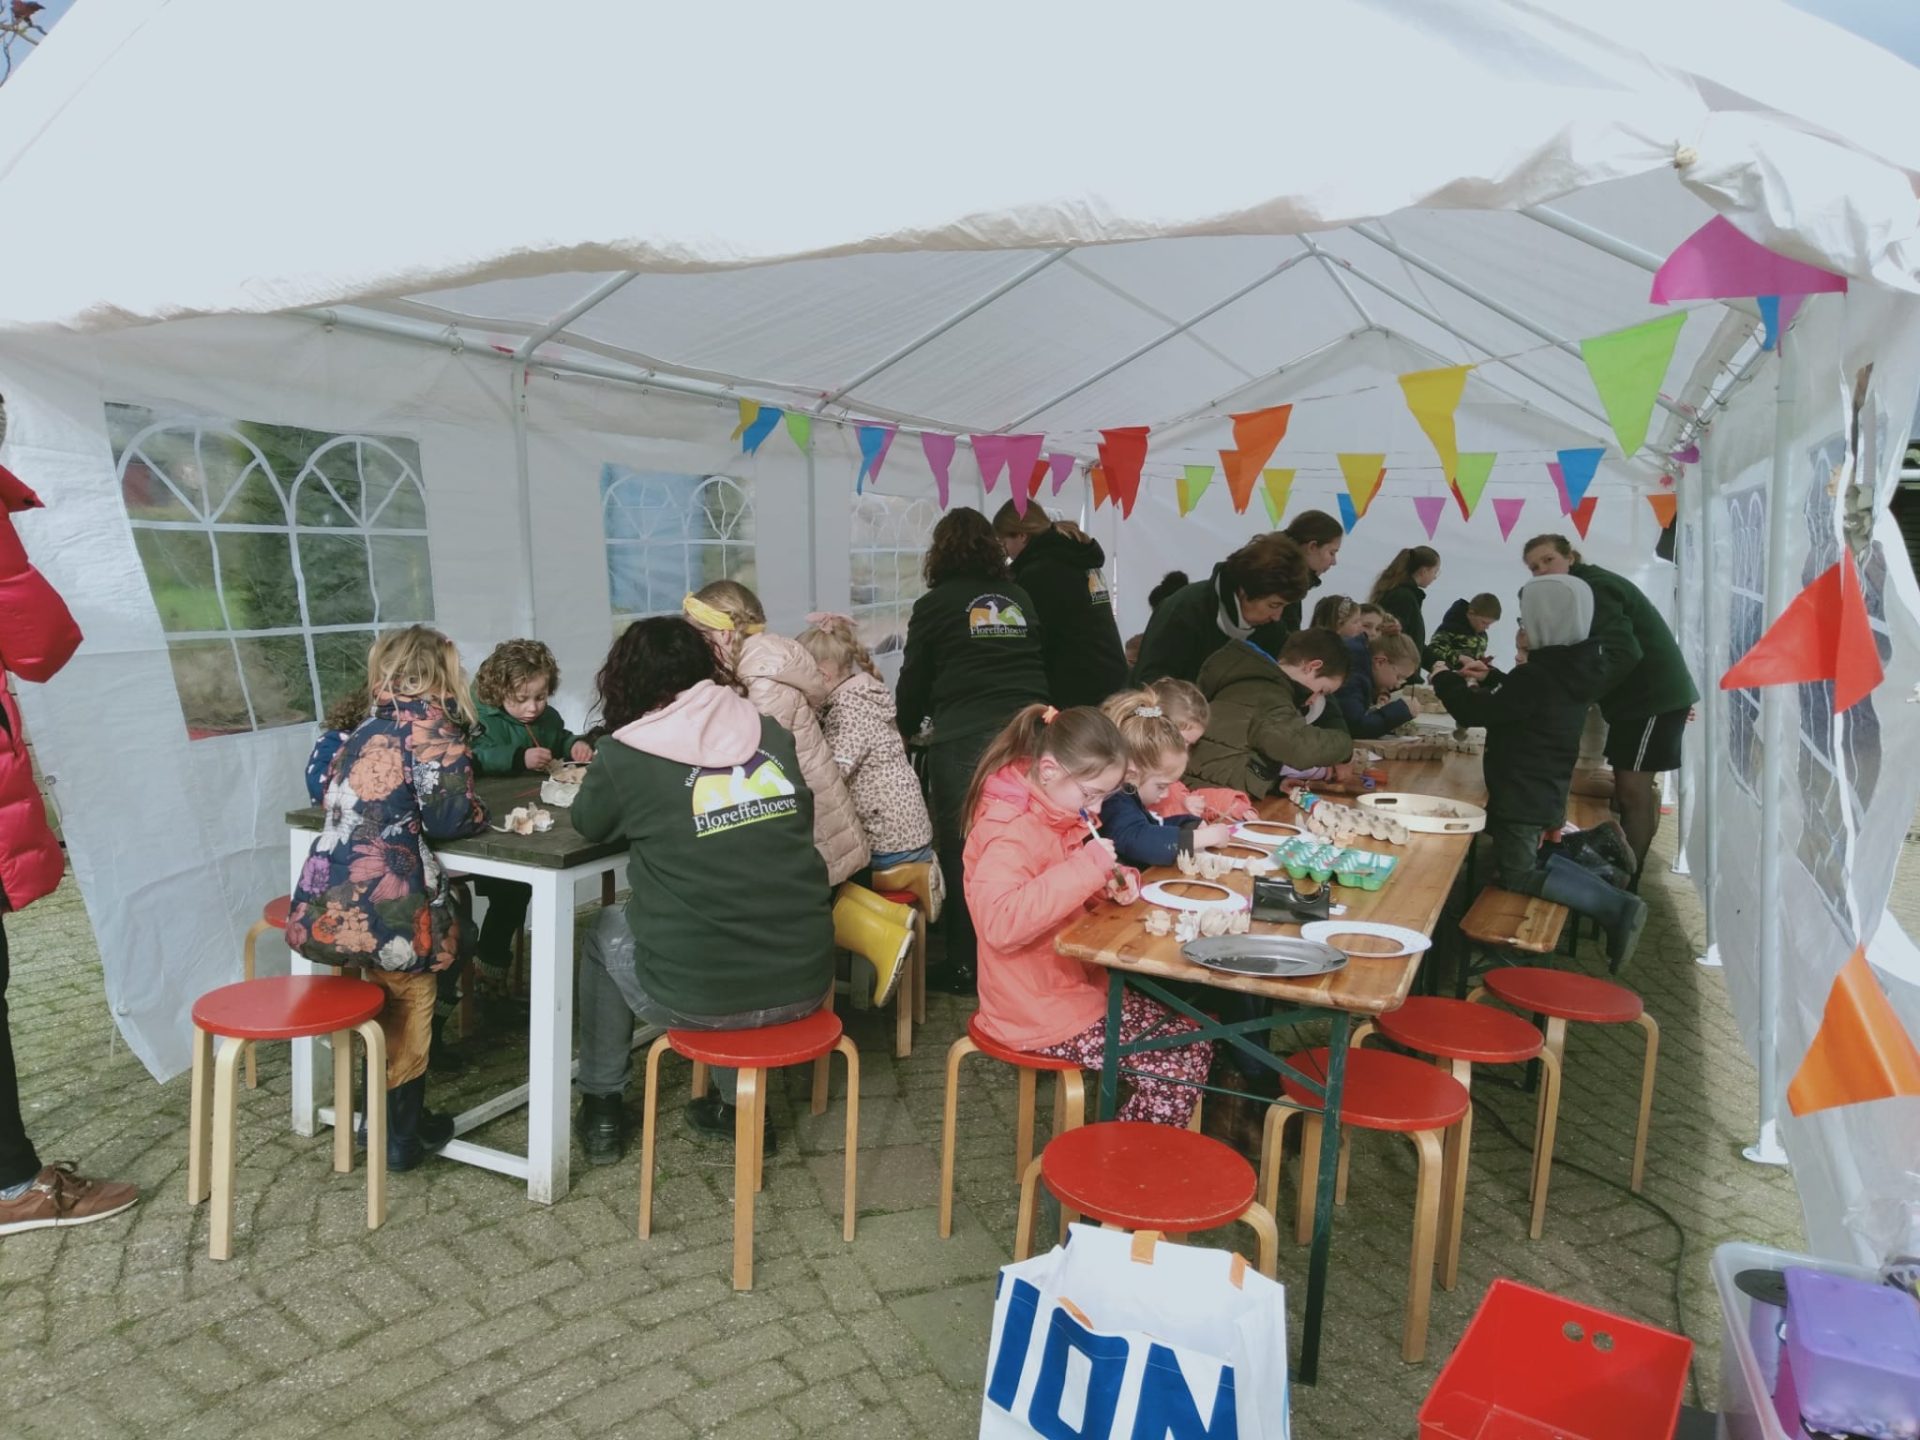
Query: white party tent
x=322, y=320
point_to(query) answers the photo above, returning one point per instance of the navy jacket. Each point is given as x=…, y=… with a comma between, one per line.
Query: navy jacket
x=1355, y=698
x=320, y=763
x=1139, y=836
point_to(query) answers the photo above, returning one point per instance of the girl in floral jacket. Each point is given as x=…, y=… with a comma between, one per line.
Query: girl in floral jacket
x=372, y=894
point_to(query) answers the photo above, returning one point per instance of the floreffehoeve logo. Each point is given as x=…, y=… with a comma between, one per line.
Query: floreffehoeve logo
x=1097, y=593
x=992, y=615
x=727, y=797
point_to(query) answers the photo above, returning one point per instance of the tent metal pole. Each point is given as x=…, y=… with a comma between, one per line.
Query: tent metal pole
x=1700, y=504
x=813, y=531
x=1154, y=344
x=967, y=312
x=526, y=490
x=1167, y=429
x=1612, y=245
x=1480, y=297
x=1326, y=265
x=572, y=313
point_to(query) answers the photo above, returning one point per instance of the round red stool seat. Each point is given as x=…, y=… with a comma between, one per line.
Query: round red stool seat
x=1148, y=1177
x=767, y=1048
x=276, y=912
x=288, y=1007
x=1384, y=1091
x=1541, y=991
x=899, y=897
x=1455, y=1030
x=1025, y=1059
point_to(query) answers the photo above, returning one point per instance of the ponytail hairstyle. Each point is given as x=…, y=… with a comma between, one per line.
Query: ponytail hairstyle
x=1403, y=567
x=1559, y=542
x=726, y=612
x=1009, y=521
x=1151, y=737
x=1082, y=741
x=1332, y=612
x=1184, y=703
x=419, y=663
x=830, y=640
x=1171, y=581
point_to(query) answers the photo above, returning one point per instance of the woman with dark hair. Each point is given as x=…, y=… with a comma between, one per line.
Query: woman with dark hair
x=1241, y=600
x=1059, y=565
x=1401, y=589
x=1319, y=536
x=1170, y=584
x=973, y=661
x=730, y=924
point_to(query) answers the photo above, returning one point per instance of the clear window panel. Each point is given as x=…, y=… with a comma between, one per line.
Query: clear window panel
x=340, y=656
x=179, y=566
x=404, y=576
x=257, y=580
x=278, y=683
x=207, y=679
x=335, y=569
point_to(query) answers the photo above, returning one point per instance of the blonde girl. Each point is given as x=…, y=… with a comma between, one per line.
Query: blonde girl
x=1188, y=711
x=1156, y=759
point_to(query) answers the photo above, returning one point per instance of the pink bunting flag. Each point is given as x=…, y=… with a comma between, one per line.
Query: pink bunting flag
x=1062, y=466
x=1022, y=454
x=1560, y=484
x=1717, y=262
x=1430, y=508
x=990, y=452
x=1507, y=512
x=939, y=452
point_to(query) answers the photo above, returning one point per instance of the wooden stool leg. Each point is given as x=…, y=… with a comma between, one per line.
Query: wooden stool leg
x=1648, y=1024
x=1453, y=1183
x=956, y=1052
x=649, y=1133
x=226, y=1066
x=1273, y=1134
x=1426, y=1219
x=1346, y=1164
x=259, y=928
x=847, y=1048
x=375, y=1040
x=1552, y=1058
x=820, y=1076
x=1267, y=1232
x=1070, y=1106
x=1193, y=1120
x=201, y=1098
x=1023, y=1125
x=1360, y=1032
x=1309, y=1179
x=1023, y=1231
x=700, y=1085
x=341, y=1043
x=746, y=1134
x=760, y=1136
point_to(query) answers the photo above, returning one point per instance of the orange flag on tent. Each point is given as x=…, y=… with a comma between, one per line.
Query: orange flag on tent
x=1364, y=474
x=1582, y=514
x=1822, y=635
x=1041, y=469
x=1097, y=478
x=1664, y=505
x=1256, y=435
x=1861, y=1050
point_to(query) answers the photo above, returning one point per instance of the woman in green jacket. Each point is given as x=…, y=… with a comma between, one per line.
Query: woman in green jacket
x=1242, y=600
x=1401, y=589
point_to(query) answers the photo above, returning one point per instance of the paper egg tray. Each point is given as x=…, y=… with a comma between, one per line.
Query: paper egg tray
x=1305, y=858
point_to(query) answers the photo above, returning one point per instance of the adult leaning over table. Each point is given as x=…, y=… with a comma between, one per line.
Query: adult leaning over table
x=1319, y=537
x=730, y=923
x=1243, y=599
x=1646, y=693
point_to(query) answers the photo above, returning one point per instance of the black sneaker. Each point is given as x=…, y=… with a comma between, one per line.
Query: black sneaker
x=603, y=1128
x=713, y=1118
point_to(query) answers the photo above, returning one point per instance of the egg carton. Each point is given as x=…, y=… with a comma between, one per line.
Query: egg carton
x=1304, y=858
x=526, y=820
x=1206, y=865
x=1192, y=924
x=1343, y=824
x=1425, y=745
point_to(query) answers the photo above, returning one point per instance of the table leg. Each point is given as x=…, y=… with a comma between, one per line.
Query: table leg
x=1110, y=1057
x=1323, y=1201
x=550, y=1080
x=306, y=1055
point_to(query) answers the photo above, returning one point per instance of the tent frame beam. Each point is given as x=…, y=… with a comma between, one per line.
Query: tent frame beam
x=603, y=291
x=1326, y=267
x=1613, y=245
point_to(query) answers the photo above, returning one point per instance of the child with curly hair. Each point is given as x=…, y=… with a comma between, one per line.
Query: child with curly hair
x=342, y=719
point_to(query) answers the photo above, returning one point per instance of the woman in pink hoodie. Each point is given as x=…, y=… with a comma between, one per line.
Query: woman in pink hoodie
x=1030, y=869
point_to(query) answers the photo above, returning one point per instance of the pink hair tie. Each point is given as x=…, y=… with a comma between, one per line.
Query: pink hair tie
x=1048, y=715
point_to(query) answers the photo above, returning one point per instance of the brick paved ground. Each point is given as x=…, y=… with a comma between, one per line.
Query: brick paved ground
x=474, y=1314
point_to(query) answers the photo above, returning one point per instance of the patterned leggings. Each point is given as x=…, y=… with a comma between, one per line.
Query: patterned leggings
x=1157, y=1094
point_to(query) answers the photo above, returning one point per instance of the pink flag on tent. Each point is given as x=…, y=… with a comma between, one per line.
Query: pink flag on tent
x=1507, y=512
x=1022, y=454
x=1560, y=484
x=1717, y=262
x=1430, y=508
x=990, y=452
x=939, y=452
x=1062, y=466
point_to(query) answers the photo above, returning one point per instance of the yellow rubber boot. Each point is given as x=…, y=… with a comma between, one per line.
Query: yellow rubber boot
x=876, y=929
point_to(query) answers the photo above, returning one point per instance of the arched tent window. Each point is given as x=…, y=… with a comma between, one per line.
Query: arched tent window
x=889, y=541
x=667, y=535
x=1746, y=622
x=273, y=555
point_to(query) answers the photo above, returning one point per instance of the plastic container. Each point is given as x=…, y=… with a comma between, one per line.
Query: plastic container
x=1747, y=1409
x=1855, y=1350
x=1533, y=1366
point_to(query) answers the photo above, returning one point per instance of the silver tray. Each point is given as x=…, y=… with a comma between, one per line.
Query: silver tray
x=1267, y=957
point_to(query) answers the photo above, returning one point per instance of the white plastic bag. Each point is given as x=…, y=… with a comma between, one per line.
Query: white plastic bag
x=1118, y=1336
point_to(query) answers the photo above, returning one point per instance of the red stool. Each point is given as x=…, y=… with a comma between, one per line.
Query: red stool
x=284, y=1007
x=1561, y=997
x=1136, y=1176
x=1385, y=1092
x=1069, y=1104
x=274, y=917
x=1463, y=1035
x=752, y=1053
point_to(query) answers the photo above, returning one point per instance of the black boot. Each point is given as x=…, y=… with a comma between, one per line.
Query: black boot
x=713, y=1118
x=413, y=1131
x=603, y=1128
x=443, y=1056
x=1620, y=912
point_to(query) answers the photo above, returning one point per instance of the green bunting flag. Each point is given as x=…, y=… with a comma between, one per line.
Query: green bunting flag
x=1193, y=485
x=1628, y=368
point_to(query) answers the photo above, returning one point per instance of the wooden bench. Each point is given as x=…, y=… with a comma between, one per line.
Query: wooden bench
x=1508, y=920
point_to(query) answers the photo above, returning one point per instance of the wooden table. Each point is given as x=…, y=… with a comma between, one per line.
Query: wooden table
x=551, y=864
x=1114, y=937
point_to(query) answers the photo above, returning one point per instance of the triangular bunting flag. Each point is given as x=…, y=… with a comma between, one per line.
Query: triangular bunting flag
x=1192, y=485
x=1364, y=474
x=1123, y=450
x=1469, y=479
x=939, y=453
x=1628, y=367
x=1717, y=262
x=1507, y=512
x=800, y=427
x=1274, y=485
x=875, y=441
x=1239, y=479
x=1560, y=486
x=1861, y=1050
x=1097, y=479
x=1430, y=508
x=1776, y=314
x=1433, y=396
x=1664, y=505
x=1061, y=464
x=749, y=412
x=1582, y=514
x=1037, y=478
x=1822, y=635
x=1577, y=469
x=756, y=434
x=1256, y=435
x=1348, y=516
x=990, y=453
x=1023, y=453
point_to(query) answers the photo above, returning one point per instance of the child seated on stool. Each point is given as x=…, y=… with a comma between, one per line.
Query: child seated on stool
x=1187, y=710
x=343, y=718
x=1463, y=633
x=1030, y=869
x=1156, y=758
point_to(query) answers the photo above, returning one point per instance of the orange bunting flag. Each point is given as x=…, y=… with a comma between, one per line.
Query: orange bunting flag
x=1861, y=1050
x=1123, y=450
x=1097, y=478
x=1274, y=485
x=1256, y=435
x=1582, y=514
x=1364, y=474
x=1433, y=396
x=1822, y=635
x=1240, y=478
x=1664, y=505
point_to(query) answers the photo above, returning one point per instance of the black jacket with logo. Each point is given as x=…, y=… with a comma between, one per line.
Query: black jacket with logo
x=1079, y=638
x=973, y=658
x=1533, y=714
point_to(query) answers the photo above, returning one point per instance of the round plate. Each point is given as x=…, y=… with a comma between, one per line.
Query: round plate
x=1265, y=833
x=1411, y=942
x=1158, y=894
x=1277, y=957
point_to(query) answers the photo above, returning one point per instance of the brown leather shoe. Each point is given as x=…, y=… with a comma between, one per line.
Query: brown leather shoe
x=59, y=1196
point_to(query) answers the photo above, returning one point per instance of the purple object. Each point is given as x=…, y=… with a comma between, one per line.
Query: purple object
x=1854, y=1349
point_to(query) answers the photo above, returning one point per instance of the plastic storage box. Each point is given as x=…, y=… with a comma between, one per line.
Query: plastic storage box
x=1746, y=1387
x=1855, y=1351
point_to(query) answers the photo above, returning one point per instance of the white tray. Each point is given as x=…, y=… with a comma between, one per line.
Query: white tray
x=1429, y=814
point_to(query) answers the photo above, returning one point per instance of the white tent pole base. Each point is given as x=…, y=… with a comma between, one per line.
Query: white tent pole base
x=1766, y=1150
x=1711, y=960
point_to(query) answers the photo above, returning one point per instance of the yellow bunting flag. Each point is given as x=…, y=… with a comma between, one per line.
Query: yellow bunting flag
x=1274, y=485
x=1433, y=396
x=800, y=427
x=1364, y=474
x=749, y=412
x=1470, y=478
x=1193, y=485
x=1628, y=367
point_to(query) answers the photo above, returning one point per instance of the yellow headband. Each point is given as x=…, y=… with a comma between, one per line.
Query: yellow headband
x=701, y=613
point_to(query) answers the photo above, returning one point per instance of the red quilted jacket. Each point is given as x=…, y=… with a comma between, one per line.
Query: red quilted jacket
x=37, y=636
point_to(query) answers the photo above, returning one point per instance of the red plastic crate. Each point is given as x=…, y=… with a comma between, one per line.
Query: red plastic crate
x=1535, y=1367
